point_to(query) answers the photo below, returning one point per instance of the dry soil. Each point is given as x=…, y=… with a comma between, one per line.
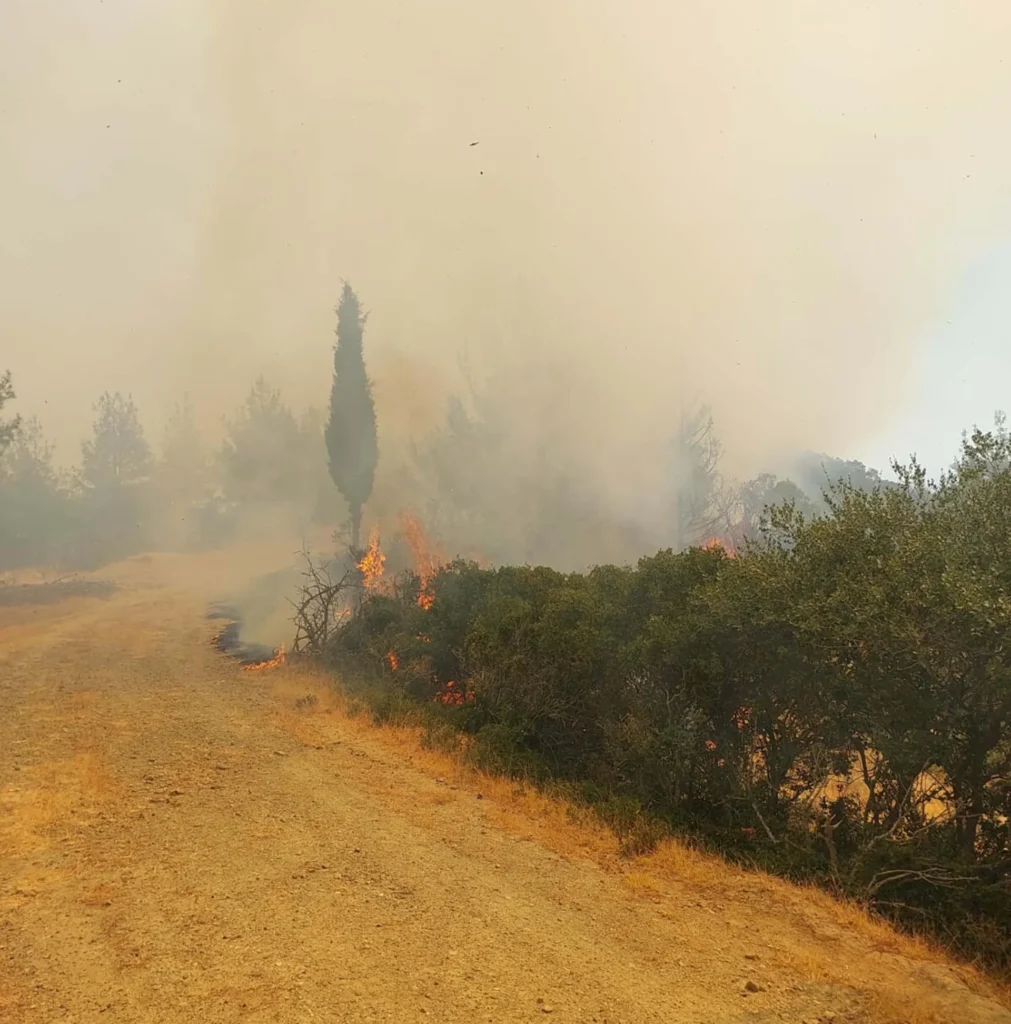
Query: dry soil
x=182, y=841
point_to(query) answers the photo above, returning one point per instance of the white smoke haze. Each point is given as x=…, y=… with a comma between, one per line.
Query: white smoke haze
x=762, y=206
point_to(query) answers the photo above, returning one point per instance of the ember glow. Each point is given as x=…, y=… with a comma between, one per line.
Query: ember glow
x=392, y=660
x=454, y=695
x=373, y=562
x=280, y=658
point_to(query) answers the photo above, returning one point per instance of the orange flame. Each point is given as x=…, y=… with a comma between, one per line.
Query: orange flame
x=392, y=660
x=280, y=658
x=427, y=556
x=373, y=563
x=719, y=544
x=454, y=695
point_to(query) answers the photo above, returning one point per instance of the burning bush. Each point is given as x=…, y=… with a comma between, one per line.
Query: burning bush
x=834, y=702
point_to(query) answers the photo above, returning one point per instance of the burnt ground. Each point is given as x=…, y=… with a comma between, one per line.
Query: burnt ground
x=228, y=638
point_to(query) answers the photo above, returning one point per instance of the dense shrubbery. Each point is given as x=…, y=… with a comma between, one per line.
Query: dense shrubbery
x=832, y=704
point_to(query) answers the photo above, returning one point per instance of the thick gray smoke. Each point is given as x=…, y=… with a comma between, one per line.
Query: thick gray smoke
x=609, y=211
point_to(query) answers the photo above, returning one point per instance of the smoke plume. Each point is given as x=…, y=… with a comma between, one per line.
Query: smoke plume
x=603, y=212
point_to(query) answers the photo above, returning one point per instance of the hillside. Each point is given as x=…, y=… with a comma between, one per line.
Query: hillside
x=182, y=840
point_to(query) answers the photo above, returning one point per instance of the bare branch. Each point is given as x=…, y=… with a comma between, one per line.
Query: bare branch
x=932, y=876
x=768, y=831
x=900, y=815
x=320, y=607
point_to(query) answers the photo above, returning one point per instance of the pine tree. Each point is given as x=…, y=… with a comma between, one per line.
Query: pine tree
x=698, y=507
x=259, y=459
x=115, y=476
x=182, y=469
x=33, y=501
x=8, y=428
x=351, y=442
x=117, y=455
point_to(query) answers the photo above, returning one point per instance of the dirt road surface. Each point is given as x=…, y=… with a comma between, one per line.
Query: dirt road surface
x=182, y=841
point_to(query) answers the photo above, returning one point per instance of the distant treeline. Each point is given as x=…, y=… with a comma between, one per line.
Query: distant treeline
x=126, y=496
x=479, y=484
x=832, y=704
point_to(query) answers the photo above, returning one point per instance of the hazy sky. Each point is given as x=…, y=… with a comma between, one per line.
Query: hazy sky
x=798, y=210
x=963, y=375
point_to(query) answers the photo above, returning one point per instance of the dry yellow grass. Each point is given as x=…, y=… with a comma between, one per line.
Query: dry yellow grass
x=573, y=831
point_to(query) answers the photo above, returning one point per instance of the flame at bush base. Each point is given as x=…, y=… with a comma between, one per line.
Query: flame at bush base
x=373, y=562
x=719, y=544
x=453, y=695
x=427, y=557
x=280, y=658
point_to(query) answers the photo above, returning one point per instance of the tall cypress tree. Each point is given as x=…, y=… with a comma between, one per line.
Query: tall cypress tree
x=351, y=442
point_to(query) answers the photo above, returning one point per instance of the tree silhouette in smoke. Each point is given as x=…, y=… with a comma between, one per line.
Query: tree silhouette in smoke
x=9, y=428
x=118, y=455
x=351, y=442
x=34, y=501
x=115, y=473
x=699, y=505
x=259, y=458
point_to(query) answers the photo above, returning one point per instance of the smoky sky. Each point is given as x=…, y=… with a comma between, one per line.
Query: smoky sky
x=618, y=207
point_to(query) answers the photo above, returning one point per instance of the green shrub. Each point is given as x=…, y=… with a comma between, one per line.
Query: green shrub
x=724, y=697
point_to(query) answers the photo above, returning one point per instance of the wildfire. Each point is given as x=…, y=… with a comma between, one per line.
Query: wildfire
x=373, y=562
x=280, y=658
x=392, y=660
x=427, y=557
x=718, y=544
x=452, y=694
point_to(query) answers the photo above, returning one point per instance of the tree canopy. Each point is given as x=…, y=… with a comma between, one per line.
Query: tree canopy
x=34, y=503
x=8, y=428
x=183, y=469
x=259, y=458
x=117, y=454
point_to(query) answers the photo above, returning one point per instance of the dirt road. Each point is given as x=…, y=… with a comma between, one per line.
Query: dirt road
x=182, y=841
